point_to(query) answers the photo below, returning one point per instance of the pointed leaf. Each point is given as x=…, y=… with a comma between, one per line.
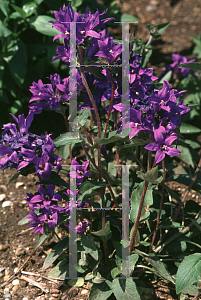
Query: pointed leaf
x=42, y=25
x=125, y=289
x=89, y=247
x=76, y=282
x=101, y=291
x=56, y=252
x=159, y=267
x=188, y=272
x=192, y=65
x=61, y=271
x=43, y=237
x=135, y=201
x=66, y=139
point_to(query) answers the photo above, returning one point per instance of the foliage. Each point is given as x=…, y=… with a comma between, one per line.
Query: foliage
x=102, y=197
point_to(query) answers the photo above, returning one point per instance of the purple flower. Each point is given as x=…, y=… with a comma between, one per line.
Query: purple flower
x=108, y=49
x=81, y=171
x=9, y=159
x=47, y=211
x=79, y=229
x=136, y=122
x=162, y=145
x=177, y=72
x=92, y=22
x=24, y=148
x=178, y=60
x=50, y=95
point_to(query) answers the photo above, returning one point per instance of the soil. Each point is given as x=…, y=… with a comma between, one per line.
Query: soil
x=18, y=242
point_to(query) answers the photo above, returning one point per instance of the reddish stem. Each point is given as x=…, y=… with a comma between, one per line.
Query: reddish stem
x=110, y=107
x=161, y=205
x=67, y=128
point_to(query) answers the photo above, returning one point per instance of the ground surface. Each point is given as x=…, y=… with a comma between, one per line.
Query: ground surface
x=16, y=244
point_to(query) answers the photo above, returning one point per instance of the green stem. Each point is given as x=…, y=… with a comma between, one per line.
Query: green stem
x=172, y=238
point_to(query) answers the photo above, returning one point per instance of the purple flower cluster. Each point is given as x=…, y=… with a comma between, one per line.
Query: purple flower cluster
x=177, y=72
x=19, y=148
x=156, y=114
x=81, y=171
x=46, y=211
x=89, y=23
x=44, y=208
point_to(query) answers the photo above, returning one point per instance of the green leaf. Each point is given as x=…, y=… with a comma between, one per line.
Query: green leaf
x=61, y=271
x=82, y=117
x=125, y=289
x=4, y=31
x=14, y=177
x=95, y=71
x=76, y=282
x=89, y=247
x=42, y=25
x=43, y=237
x=151, y=175
x=123, y=137
x=192, y=65
x=166, y=77
x=89, y=276
x=56, y=252
x=24, y=220
x=157, y=30
x=88, y=189
x=104, y=231
x=67, y=139
x=29, y=8
x=16, y=107
x=133, y=260
x=19, y=10
x=115, y=272
x=188, y=154
x=101, y=291
x=159, y=267
x=129, y=18
x=135, y=201
x=189, y=129
x=188, y=272
x=63, y=151
x=18, y=64
x=4, y=7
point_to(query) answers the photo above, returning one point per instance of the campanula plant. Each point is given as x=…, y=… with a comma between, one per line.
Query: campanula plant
x=96, y=187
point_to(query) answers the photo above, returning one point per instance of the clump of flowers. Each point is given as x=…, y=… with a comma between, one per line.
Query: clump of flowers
x=178, y=73
x=20, y=148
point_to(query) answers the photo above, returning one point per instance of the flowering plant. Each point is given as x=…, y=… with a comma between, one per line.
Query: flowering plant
x=153, y=123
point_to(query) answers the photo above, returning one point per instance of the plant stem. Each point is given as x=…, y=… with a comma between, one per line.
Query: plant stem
x=161, y=205
x=67, y=128
x=110, y=107
x=137, y=160
x=187, y=191
x=134, y=234
x=103, y=175
x=177, y=234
